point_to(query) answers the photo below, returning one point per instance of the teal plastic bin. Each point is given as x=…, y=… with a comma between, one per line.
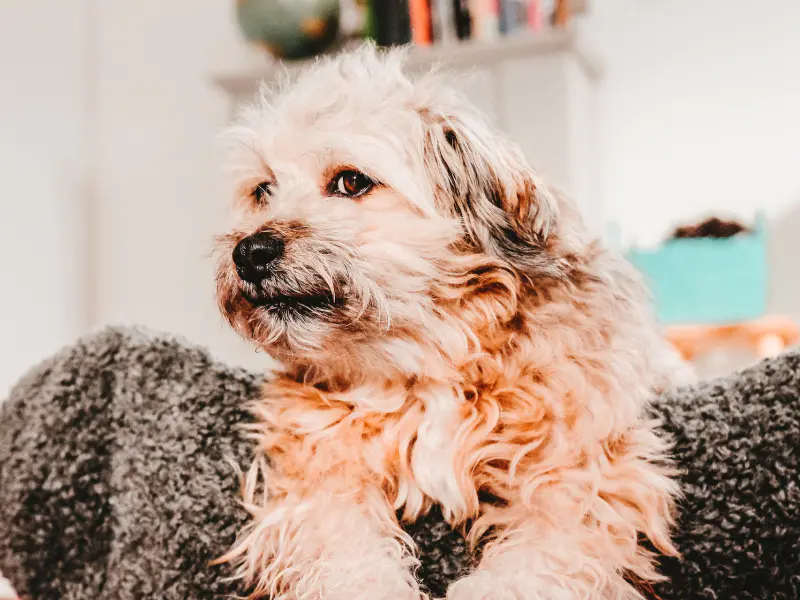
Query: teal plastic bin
x=708, y=281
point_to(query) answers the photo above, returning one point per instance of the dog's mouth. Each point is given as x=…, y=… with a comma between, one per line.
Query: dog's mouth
x=280, y=303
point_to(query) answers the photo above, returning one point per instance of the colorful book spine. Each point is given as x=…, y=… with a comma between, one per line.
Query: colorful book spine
x=506, y=22
x=443, y=21
x=380, y=22
x=420, y=17
x=521, y=14
x=392, y=20
x=369, y=21
x=463, y=19
x=485, y=19
x=563, y=13
x=536, y=15
x=513, y=15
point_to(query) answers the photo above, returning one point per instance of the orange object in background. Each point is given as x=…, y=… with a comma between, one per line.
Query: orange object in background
x=563, y=13
x=420, y=13
x=766, y=336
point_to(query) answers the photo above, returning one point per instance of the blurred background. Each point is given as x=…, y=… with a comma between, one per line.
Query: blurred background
x=654, y=114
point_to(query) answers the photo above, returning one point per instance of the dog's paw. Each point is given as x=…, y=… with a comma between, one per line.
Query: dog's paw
x=371, y=590
x=485, y=585
x=477, y=586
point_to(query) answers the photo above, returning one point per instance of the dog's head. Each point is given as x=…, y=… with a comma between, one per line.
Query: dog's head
x=378, y=218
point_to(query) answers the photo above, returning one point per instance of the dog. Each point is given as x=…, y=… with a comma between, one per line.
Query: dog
x=449, y=333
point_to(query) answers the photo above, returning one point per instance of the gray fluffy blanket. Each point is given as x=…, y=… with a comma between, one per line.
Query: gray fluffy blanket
x=115, y=481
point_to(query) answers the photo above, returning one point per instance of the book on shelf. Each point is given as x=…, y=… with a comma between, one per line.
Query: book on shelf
x=535, y=16
x=463, y=19
x=425, y=22
x=443, y=21
x=485, y=19
x=514, y=15
x=420, y=19
x=392, y=22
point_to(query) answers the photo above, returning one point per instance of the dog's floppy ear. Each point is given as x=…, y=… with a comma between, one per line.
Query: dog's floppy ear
x=484, y=179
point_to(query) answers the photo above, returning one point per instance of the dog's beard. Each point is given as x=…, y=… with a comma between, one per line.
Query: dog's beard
x=282, y=298
x=278, y=316
x=315, y=298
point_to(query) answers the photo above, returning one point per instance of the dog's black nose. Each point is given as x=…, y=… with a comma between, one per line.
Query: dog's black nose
x=254, y=255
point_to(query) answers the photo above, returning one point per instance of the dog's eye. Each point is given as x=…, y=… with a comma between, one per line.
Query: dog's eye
x=261, y=192
x=351, y=183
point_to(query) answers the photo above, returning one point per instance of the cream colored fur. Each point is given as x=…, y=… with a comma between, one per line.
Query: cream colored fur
x=480, y=351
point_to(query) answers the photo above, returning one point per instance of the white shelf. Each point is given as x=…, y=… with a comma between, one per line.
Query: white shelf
x=458, y=54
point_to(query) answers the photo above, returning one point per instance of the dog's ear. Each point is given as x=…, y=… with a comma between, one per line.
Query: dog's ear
x=484, y=180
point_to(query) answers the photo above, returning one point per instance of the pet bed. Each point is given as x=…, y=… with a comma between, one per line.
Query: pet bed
x=116, y=480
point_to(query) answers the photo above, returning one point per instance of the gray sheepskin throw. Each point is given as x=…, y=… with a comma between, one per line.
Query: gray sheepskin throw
x=116, y=482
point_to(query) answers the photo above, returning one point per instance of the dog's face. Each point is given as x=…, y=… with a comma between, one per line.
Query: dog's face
x=372, y=214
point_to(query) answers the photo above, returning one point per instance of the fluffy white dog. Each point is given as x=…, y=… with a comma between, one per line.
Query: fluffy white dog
x=450, y=334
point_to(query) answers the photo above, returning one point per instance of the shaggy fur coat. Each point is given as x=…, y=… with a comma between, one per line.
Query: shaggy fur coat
x=116, y=478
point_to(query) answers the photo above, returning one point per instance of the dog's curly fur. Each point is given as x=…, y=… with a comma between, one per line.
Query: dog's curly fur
x=474, y=348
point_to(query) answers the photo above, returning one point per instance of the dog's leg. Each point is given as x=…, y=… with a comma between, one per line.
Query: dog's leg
x=531, y=572
x=328, y=545
x=534, y=561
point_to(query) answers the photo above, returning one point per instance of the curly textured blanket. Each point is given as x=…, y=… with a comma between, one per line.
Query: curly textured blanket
x=115, y=480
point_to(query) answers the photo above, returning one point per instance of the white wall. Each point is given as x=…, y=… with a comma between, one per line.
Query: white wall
x=701, y=108
x=108, y=105
x=43, y=96
x=160, y=184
